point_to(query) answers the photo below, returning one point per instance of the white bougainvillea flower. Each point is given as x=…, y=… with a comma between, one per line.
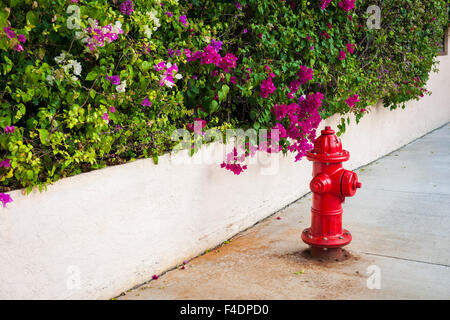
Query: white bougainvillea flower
x=122, y=86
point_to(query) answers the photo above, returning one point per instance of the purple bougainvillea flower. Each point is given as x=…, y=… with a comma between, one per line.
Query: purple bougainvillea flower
x=341, y=55
x=115, y=80
x=155, y=277
x=5, y=163
x=5, y=199
x=9, y=129
x=169, y=14
x=126, y=7
x=9, y=32
x=238, y=5
x=112, y=109
x=245, y=31
x=278, y=218
x=22, y=38
x=183, y=20
x=146, y=103
x=216, y=44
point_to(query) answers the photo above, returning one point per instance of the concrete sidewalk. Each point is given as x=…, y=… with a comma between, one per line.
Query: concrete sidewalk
x=400, y=222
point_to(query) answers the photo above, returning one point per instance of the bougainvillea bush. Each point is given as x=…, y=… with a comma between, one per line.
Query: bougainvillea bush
x=86, y=84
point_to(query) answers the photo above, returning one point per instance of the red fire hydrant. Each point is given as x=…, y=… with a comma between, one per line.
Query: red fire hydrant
x=330, y=185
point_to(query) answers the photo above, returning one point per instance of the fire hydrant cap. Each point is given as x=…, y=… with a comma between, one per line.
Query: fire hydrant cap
x=328, y=148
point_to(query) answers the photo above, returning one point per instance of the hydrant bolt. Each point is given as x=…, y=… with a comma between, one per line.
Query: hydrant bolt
x=330, y=185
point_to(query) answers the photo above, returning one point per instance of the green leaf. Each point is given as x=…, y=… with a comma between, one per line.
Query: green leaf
x=32, y=18
x=43, y=136
x=213, y=106
x=146, y=66
x=223, y=92
x=91, y=76
x=8, y=66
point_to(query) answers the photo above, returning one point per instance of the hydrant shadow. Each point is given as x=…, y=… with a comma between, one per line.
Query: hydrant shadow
x=326, y=255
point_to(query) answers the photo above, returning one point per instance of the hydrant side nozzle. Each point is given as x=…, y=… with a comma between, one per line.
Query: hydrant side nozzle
x=321, y=183
x=349, y=183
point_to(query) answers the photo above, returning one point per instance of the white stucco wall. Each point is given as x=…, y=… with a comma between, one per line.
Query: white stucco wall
x=114, y=228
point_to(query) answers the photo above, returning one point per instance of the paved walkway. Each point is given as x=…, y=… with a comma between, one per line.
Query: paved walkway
x=400, y=222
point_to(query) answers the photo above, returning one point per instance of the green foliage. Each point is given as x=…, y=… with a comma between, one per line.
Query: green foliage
x=68, y=122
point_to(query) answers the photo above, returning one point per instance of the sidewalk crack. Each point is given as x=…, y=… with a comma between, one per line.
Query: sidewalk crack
x=406, y=259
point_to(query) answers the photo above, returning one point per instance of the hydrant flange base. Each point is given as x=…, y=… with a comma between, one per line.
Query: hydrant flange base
x=335, y=241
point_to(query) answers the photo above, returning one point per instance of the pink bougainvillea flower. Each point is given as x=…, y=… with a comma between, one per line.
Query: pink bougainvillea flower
x=228, y=62
x=22, y=38
x=197, y=126
x=325, y=4
x=238, y=5
x=278, y=218
x=105, y=117
x=352, y=100
x=187, y=53
x=267, y=87
x=9, y=129
x=341, y=55
x=169, y=14
x=155, y=277
x=5, y=163
x=233, y=79
x=347, y=5
x=5, y=199
x=305, y=74
x=282, y=133
x=18, y=47
x=9, y=32
x=146, y=103
x=160, y=66
x=210, y=56
x=98, y=36
x=350, y=48
x=112, y=109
